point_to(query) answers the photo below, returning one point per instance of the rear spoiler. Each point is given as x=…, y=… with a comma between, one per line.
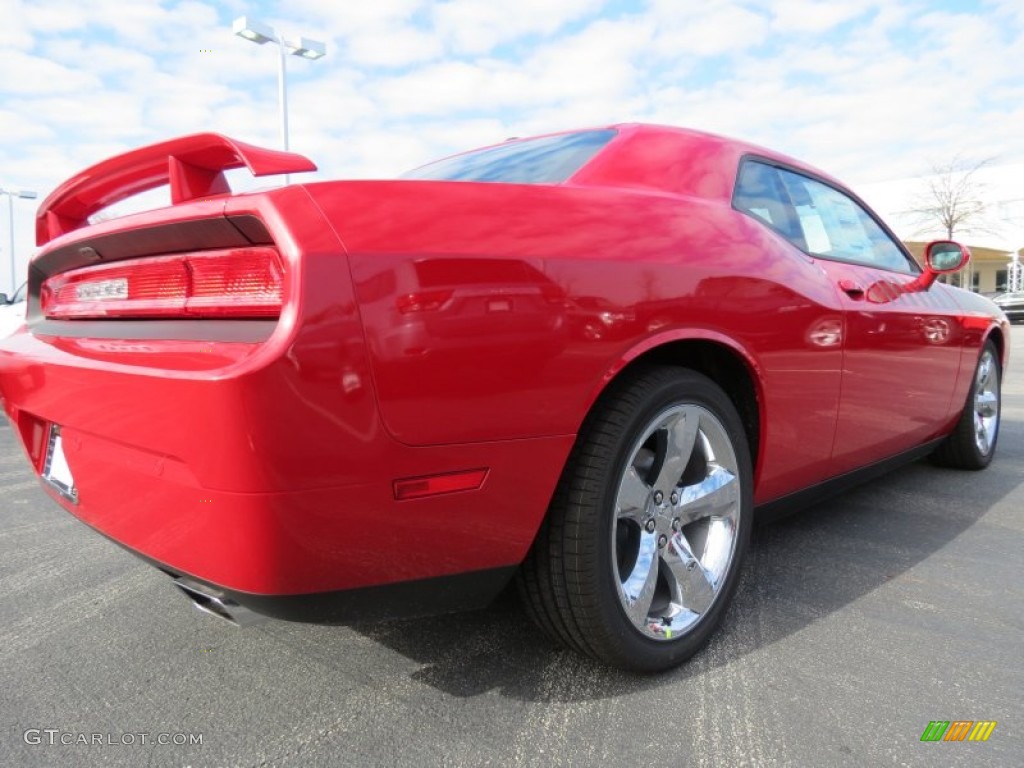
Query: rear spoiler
x=193, y=166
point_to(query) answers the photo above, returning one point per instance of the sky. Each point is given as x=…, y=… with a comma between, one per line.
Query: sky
x=867, y=90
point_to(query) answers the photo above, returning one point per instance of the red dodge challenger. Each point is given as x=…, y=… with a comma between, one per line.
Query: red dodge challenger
x=582, y=361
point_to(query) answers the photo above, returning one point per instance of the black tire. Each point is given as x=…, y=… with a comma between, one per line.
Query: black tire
x=964, y=448
x=580, y=577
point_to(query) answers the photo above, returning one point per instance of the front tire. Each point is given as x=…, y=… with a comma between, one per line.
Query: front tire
x=640, y=552
x=972, y=444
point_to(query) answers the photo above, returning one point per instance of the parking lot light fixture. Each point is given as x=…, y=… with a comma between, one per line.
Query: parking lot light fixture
x=254, y=31
x=306, y=48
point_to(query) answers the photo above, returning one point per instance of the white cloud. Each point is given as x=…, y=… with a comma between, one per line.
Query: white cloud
x=476, y=27
x=156, y=26
x=183, y=106
x=18, y=127
x=393, y=47
x=56, y=15
x=593, y=65
x=815, y=16
x=866, y=90
x=356, y=16
x=103, y=116
x=15, y=33
x=373, y=34
x=710, y=29
x=35, y=74
x=438, y=88
x=96, y=58
x=598, y=61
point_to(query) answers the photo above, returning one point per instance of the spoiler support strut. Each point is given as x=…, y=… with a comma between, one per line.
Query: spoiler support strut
x=192, y=165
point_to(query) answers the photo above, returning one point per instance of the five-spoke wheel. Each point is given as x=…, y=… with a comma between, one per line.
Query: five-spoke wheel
x=675, y=525
x=972, y=444
x=641, y=548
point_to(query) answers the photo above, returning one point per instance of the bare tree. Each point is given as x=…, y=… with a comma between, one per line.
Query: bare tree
x=952, y=200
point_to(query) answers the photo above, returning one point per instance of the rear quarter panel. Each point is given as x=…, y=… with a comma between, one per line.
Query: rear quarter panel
x=601, y=275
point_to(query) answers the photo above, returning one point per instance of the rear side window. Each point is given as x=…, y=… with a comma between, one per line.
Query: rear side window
x=817, y=218
x=760, y=192
x=547, y=160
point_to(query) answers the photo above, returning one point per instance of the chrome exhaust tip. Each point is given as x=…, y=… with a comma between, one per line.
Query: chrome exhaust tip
x=214, y=603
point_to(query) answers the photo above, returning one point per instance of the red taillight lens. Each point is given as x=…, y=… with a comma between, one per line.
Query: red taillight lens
x=127, y=289
x=231, y=283
x=236, y=283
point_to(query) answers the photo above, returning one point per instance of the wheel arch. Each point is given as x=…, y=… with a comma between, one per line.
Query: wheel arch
x=572, y=563
x=999, y=339
x=714, y=355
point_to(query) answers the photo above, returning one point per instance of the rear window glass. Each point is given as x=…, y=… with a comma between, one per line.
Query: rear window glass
x=547, y=160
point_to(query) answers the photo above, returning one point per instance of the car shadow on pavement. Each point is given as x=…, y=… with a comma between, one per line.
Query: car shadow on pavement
x=798, y=570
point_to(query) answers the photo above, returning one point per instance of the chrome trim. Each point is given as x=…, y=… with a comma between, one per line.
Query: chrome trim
x=676, y=521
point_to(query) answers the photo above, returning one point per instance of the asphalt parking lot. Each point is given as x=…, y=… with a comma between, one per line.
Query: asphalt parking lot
x=857, y=623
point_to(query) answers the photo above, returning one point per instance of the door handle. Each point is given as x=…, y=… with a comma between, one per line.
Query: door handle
x=851, y=289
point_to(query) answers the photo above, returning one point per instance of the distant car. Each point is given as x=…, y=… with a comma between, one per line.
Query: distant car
x=12, y=311
x=582, y=361
x=1012, y=304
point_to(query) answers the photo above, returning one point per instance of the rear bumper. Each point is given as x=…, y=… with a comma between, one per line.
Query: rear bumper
x=256, y=463
x=264, y=484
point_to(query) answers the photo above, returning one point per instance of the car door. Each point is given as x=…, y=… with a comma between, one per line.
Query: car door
x=901, y=351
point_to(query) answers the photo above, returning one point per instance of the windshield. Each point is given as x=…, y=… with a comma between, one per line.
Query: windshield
x=547, y=160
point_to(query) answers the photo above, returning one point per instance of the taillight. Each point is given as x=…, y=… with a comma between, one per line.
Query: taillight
x=236, y=283
x=240, y=282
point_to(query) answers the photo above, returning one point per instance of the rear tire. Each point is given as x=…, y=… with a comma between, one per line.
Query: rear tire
x=972, y=444
x=640, y=552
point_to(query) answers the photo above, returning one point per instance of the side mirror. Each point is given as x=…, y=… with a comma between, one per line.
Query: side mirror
x=945, y=256
x=940, y=258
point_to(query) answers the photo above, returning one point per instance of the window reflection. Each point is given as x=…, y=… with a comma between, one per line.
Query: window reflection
x=548, y=160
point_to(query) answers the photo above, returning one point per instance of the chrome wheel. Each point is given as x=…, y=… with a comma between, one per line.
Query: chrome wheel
x=676, y=520
x=972, y=443
x=644, y=540
x=986, y=402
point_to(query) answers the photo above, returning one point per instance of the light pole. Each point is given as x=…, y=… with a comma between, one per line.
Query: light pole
x=25, y=194
x=259, y=33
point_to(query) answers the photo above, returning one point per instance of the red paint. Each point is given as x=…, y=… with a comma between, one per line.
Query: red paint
x=427, y=330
